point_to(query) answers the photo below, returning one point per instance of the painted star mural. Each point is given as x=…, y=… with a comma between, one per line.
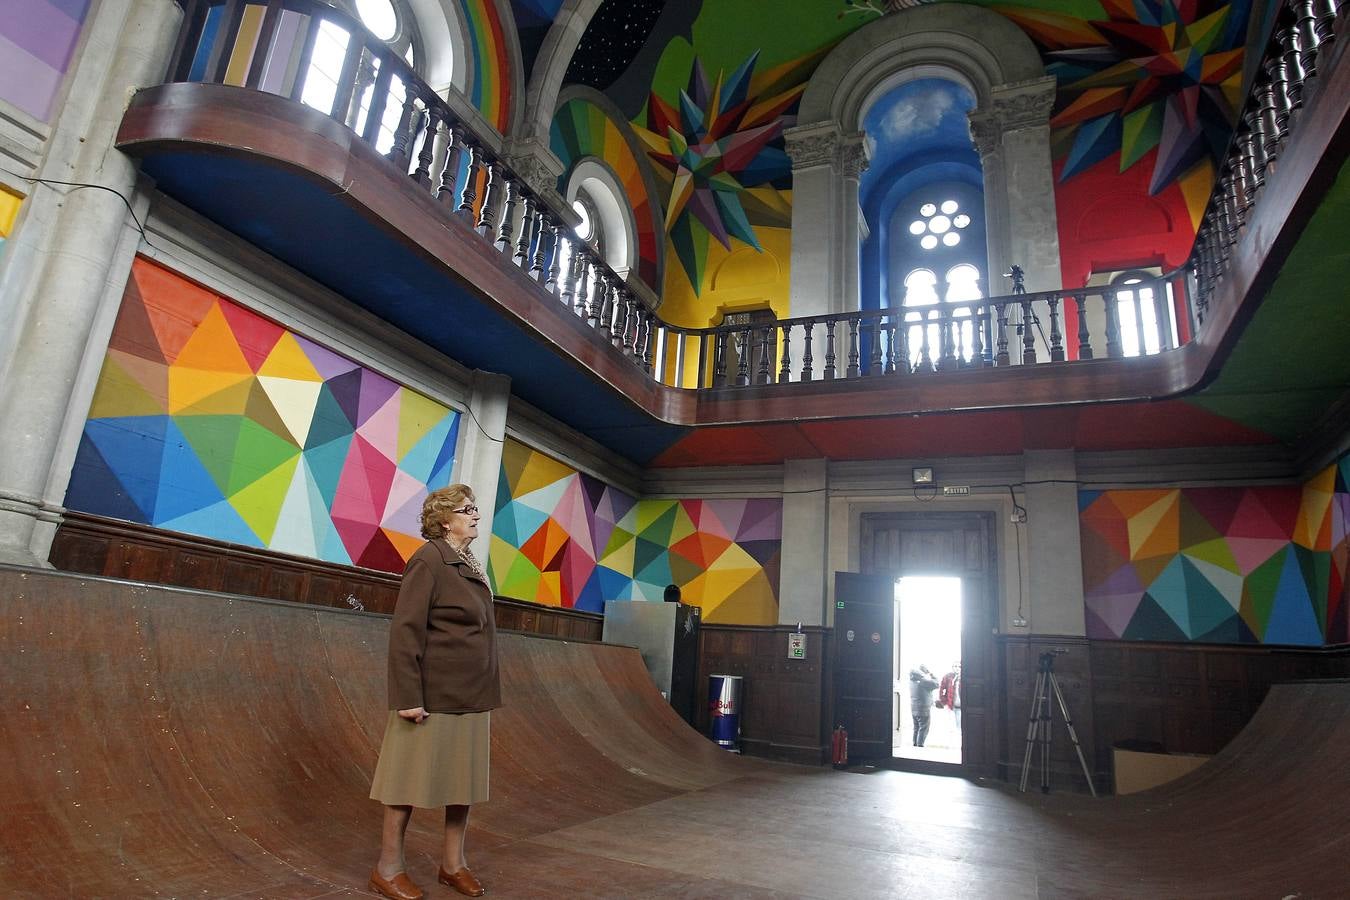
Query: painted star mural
x=1152, y=74
x=714, y=151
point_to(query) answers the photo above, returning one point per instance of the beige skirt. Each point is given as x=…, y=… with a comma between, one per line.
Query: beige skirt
x=442, y=762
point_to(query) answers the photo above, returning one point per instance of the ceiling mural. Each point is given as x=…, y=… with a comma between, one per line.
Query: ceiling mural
x=1142, y=75
x=710, y=86
x=714, y=155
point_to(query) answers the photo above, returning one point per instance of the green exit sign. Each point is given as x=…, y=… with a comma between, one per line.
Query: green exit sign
x=839, y=604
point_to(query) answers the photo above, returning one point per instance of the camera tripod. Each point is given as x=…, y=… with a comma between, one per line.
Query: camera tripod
x=1038, y=725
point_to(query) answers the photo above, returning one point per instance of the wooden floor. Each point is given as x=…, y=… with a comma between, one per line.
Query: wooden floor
x=167, y=743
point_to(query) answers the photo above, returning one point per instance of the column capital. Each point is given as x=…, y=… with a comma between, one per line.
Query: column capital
x=539, y=168
x=1024, y=104
x=854, y=156
x=812, y=145
x=985, y=131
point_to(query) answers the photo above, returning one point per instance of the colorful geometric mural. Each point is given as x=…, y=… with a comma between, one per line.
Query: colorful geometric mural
x=212, y=420
x=711, y=146
x=1153, y=73
x=1257, y=565
x=37, y=38
x=563, y=538
x=580, y=129
x=491, y=62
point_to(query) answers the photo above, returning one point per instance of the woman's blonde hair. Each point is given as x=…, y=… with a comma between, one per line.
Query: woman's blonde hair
x=438, y=507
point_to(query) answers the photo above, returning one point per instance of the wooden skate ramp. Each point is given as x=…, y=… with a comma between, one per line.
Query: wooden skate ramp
x=159, y=742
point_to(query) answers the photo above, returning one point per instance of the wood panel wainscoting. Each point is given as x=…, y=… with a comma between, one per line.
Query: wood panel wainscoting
x=1174, y=698
x=783, y=702
x=94, y=545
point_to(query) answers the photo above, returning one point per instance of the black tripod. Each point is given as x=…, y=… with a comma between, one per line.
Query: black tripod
x=1038, y=725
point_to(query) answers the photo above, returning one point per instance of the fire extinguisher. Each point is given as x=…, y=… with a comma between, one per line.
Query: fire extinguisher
x=839, y=747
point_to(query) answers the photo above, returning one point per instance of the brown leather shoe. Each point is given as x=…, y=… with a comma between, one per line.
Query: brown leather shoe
x=462, y=881
x=400, y=887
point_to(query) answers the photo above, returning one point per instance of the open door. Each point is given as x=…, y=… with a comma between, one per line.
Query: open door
x=864, y=610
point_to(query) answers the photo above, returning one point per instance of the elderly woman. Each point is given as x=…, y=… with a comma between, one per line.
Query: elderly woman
x=443, y=682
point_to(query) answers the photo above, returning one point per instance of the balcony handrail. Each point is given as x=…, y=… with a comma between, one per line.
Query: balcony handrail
x=380, y=98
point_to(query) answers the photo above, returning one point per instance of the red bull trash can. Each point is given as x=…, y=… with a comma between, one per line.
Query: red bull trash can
x=724, y=711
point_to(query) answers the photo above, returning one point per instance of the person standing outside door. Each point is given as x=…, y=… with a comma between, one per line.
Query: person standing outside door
x=922, y=684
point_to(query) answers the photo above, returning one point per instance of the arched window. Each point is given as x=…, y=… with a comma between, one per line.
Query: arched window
x=1144, y=315
x=606, y=220
x=390, y=21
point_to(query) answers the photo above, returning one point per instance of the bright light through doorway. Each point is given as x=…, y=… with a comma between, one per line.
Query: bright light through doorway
x=928, y=633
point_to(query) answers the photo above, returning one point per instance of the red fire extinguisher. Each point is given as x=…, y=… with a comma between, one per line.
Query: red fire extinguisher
x=839, y=746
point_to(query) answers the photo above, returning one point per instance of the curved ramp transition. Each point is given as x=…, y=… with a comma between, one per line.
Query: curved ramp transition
x=160, y=742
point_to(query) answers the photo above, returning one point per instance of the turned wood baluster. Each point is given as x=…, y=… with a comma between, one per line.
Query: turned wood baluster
x=1247, y=171
x=875, y=364
x=541, y=239
x=526, y=235
x=1266, y=112
x=720, y=359
x=1326, y=12
x=808, y=362
x=619, y=334
x=852, y=371
x=648, y=339
x=445, y=193
x=951, y=330
x=422, y=174
x=1028, y=332
x=889, y=368
x=470, y=193
x=743, y=349
x=977, y=355
x=1256, y=127
x=492, y=193
x=583, y=284
x=924, y=364
x=1113, y=348
x=1281, y=105
x=762, y=375
x=604, y=286
x=555, y=258
x=569, y=275
x=785, y=368
x=398, y=153
x=1084, y=339
x=902, y=354
x=1003, y=359
x=508, y=215
x=1056, y=336
x=1309, y=37
x=1291, y=43
x=829, y=350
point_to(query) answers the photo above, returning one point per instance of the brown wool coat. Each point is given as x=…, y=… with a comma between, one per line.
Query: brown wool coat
x=443, y=640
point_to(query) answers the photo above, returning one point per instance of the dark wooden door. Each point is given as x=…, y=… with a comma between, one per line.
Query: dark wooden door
x=864, y=626
x=955, y=544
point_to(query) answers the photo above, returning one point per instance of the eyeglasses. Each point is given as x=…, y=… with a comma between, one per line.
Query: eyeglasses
x=469, y=510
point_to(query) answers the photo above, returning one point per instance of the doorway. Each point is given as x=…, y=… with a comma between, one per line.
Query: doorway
x=927, y=668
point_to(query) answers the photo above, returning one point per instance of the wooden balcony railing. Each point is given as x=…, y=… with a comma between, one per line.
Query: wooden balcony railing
x=317, y=55
x=1298, y=51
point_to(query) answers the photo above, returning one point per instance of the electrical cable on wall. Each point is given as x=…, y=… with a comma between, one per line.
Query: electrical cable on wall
x=88, y=184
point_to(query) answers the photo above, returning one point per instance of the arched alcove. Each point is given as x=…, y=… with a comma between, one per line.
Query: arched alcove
x=970, y=46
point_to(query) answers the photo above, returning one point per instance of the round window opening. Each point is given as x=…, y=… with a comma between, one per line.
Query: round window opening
x=379, y=16
x=586, y=227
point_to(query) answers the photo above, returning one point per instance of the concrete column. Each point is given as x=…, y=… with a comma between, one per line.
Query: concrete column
x=66, y=270
x=853, y=161
x=482, y=431
x=815, y=277
x=1023, y=110
x=1012, y=136
x=1054, y=552
x=803, y=576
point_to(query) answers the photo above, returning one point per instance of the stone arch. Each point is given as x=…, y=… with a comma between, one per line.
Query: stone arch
x=598, y=182
x=444, y=47
x=550, y=67
x=969, y=45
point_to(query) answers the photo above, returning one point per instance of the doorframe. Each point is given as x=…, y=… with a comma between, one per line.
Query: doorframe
x=980, y=619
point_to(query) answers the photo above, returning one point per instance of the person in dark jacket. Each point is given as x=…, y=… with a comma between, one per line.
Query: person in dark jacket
x=443, y=684
x=922, y=684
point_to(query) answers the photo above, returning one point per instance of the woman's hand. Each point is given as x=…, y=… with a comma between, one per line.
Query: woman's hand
x=414, y=715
